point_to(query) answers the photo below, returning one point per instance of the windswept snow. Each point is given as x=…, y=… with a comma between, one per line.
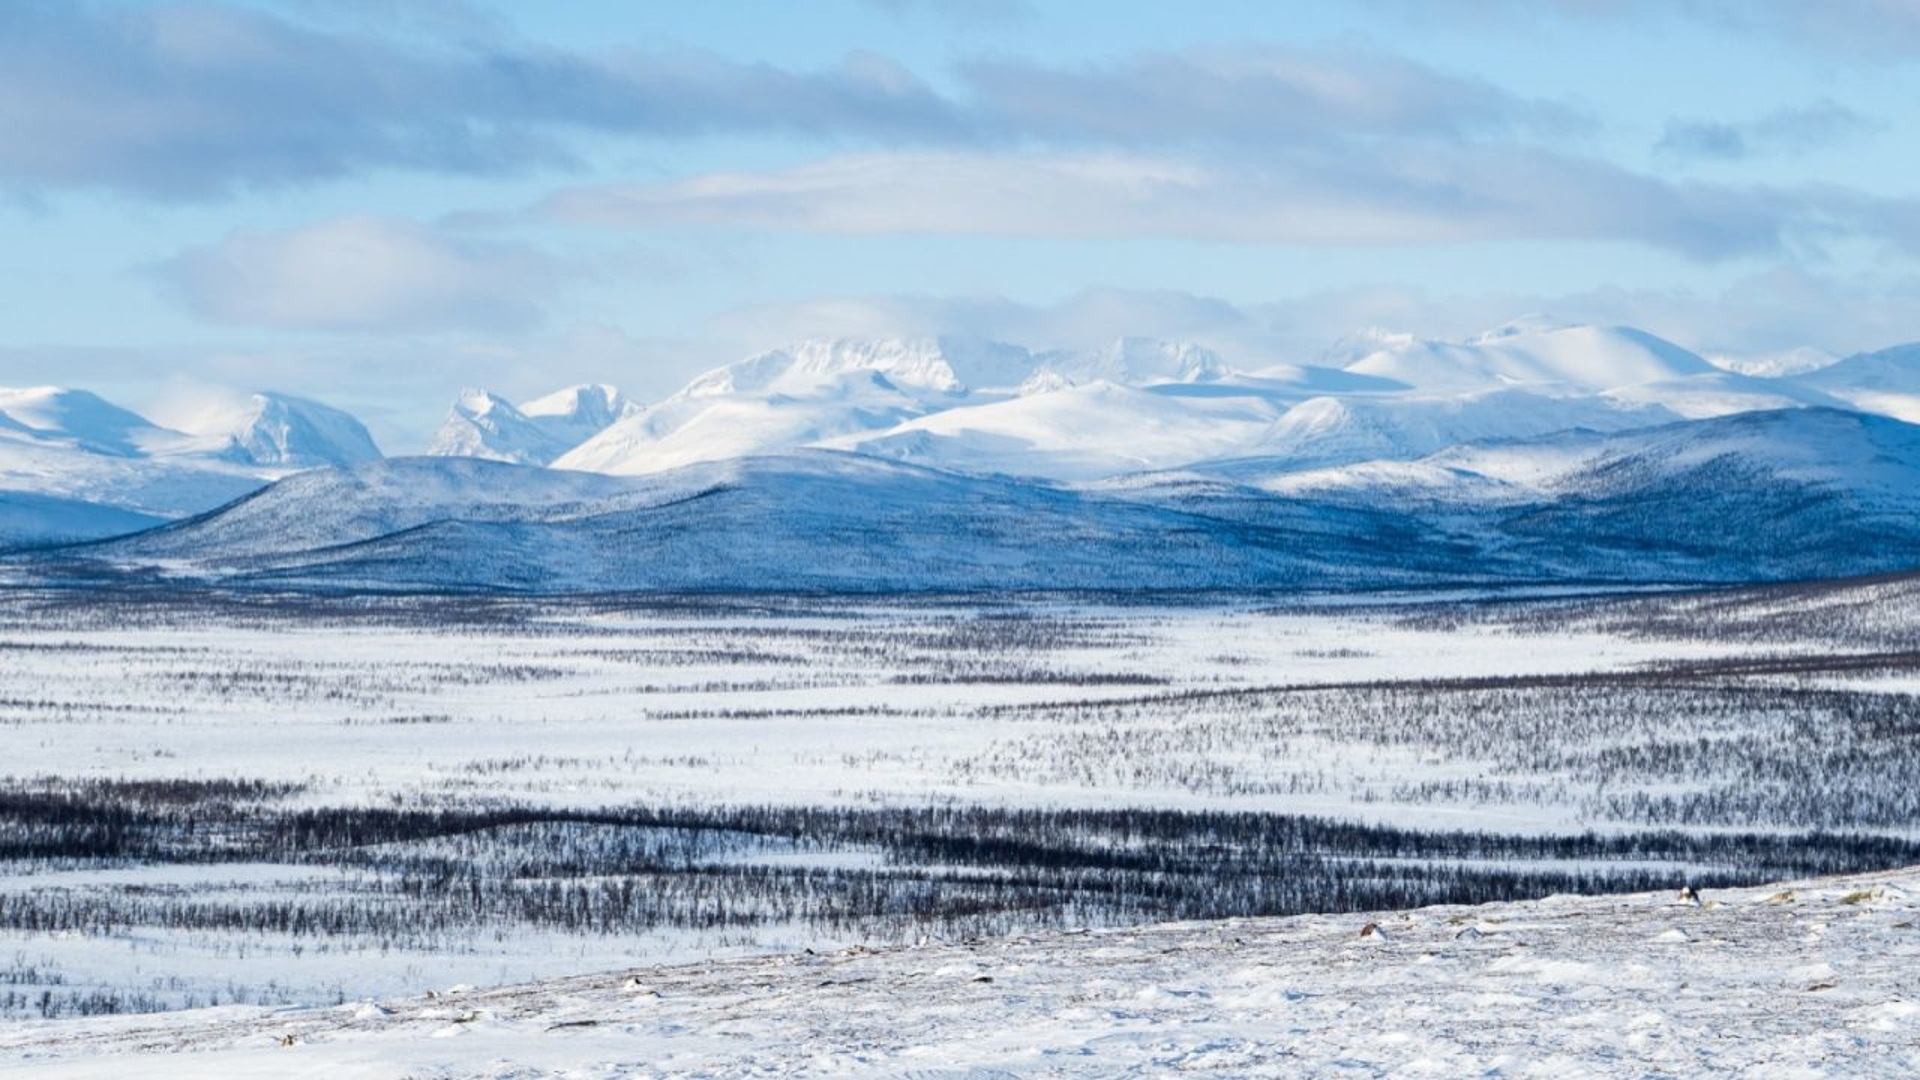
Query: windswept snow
x=1809, y=978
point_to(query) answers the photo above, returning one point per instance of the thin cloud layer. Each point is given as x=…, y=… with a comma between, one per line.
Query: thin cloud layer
x=196, y=102
x=178, y=101
x=1783, y=132
x=677, y=162
x=1352, y=198
x=1254, y=98
x=1759, y=313
x=359, y=274
x=1261, y=144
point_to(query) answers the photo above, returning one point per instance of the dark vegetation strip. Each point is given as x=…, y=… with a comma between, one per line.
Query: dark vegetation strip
x=416, y=874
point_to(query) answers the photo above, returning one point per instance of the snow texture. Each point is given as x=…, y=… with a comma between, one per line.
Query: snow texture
x=1808, y=978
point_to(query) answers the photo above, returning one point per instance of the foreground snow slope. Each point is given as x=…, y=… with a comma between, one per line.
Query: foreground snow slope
x=1806, y=979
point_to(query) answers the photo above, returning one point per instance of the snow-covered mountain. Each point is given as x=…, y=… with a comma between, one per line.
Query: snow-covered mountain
x=1585, y=445
x=1773, y=365
x=1765, y=496
x=808, y=521
x=57, y=416
x=807, y=395
x=283, y=431
x=484, y=425
x=1771, y=495
x=1532, y=352
x=578, y=413
x=1137, y=404
x=1885, y=382
x=74, y=466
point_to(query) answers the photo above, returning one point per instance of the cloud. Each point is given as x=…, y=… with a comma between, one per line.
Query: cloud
x=196, y=101
x=1702, y=139
x=1766, y=312
x=1783, y=132
x=1865, y=29
x=1089, y=318
x=1868, y=28
x=964, y=14
x=1352, y=196
x=359, y=274
x=1253, y=97
x=177, y=101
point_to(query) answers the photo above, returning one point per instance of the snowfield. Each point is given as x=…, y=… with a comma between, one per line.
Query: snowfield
x=287, y=800
x=1812, y=978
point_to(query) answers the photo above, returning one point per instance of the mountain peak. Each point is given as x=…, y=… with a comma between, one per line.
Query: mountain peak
x=1524, y=326
x=280, y=430
x=474, y=401
x=82, y=417
x=951, y=365
x=599, y=403
x=1530, y=352
x=485, y=425
x=482, y=424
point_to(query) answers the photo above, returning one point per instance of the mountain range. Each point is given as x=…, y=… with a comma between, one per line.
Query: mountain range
x=1534, y=452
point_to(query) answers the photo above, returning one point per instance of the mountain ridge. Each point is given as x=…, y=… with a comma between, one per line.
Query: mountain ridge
x=1457, y=428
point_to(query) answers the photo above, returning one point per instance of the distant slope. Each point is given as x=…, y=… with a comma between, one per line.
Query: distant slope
x=28, y=519
x=777, y=416
x=1078, y=432
x=814, y=521
x=1792, y=494
x=1531, y=353
x=1886, y=382
x=1797, y=493
x=83, y=420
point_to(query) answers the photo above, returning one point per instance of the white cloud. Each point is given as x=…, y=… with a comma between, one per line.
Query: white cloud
x=1352, y=196
x=360, y=274
x=1766, y=312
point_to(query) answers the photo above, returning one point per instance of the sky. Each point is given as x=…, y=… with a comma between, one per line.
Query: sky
x=376, y=203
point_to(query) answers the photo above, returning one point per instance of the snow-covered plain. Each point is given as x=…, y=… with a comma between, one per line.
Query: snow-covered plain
x=1810, y=979
x=1769, y=728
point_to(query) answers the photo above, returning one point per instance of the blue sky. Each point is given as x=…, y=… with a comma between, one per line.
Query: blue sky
x=376, y=202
